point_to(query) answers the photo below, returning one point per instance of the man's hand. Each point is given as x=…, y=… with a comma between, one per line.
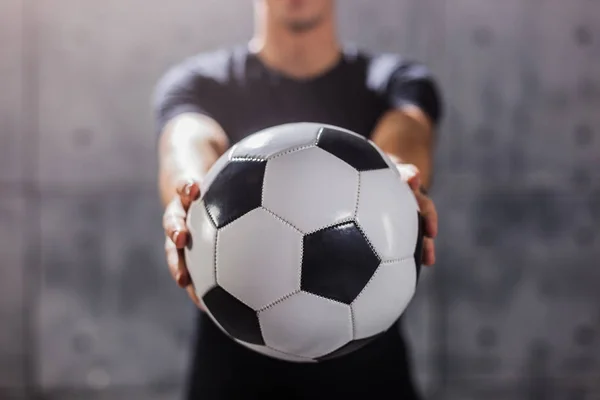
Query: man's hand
x=411, y=175
x=177, y=235
x=189, y=145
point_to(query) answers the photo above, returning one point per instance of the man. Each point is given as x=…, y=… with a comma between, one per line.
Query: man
x=294, y=70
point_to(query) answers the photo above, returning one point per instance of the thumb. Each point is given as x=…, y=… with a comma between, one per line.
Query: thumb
x=410, y=174
x=188, y=190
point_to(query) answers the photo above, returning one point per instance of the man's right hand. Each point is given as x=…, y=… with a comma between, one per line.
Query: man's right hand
x=177, y=235
x=189, y=145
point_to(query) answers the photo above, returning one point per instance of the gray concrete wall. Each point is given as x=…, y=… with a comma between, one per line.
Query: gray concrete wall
x=512, y=311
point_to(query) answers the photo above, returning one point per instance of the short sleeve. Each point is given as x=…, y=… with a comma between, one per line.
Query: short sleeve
x=404, y=82
x=195, y=85
x=177, y=92
x=413, y=84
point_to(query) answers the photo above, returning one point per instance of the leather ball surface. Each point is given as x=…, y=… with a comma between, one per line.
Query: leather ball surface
x=305, y=244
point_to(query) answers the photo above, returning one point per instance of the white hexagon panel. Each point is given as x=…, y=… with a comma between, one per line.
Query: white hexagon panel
x=306, y=325
x=388, y=214
x=259, y=258
x=200, y=253
x=299, y=188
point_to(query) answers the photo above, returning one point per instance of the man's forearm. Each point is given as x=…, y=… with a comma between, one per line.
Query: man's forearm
x=420, y=156
x=189, y=146
x=409, y=140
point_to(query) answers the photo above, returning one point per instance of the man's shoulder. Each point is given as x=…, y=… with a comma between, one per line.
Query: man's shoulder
x=380, y=67
x=213, y=65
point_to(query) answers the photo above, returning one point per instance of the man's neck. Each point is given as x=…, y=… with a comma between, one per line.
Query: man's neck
x=300, y=55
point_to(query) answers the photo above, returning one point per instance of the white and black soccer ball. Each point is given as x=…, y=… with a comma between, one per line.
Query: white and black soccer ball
x=305, y=244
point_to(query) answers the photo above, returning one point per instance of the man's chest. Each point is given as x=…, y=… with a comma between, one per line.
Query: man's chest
x=258, y=106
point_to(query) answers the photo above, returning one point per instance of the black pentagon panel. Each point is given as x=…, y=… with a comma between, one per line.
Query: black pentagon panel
x=236, y=190
x=337, y=262
x=238, y=320
x=419, y=246
x=350, y=347
x=354, y=150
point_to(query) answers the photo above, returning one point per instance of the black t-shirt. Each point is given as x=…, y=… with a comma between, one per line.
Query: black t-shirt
x=243, y=95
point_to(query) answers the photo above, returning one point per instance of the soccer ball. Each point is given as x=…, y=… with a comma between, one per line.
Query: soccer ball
x=305, y=244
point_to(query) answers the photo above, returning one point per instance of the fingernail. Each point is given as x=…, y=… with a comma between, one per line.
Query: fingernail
x=187, y=189
x=184, y=281
x=175, y=236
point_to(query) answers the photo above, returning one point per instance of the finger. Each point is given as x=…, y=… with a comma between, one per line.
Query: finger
x=176, y=263
x=415, y=182
x=177, y=232
x=174, y=223
x=429, y=213
x=428, y=252
x=191, y=291
x=188, y=190
x=411, y=175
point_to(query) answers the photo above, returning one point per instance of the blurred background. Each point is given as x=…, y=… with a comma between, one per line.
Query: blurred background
x=511, y=311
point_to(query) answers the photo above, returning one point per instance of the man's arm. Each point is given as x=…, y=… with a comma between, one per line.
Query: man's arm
x=406, y=131
x=190, y=142
x=189, y=145
x=407, y=135
x=190, y=138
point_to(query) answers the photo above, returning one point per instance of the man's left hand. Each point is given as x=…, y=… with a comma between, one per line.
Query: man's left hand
x=410, y=174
